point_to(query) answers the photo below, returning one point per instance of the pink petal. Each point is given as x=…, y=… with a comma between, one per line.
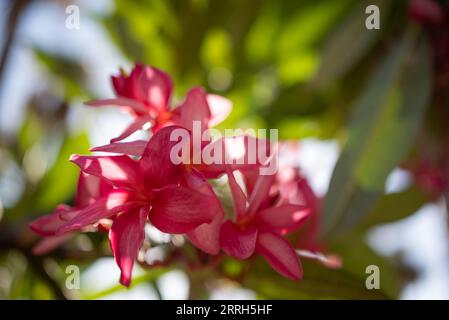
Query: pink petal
x=260, y=193
x=237, y=153
x=220, y=108
x=207, y=236
x=123, y=103
x=132, y=148
x=238, y=196
x=136, y=125
x=194, y=108
x=177, y=209
x=50, y=243
x=120, y=84
x=250, y=176
x=115, y=202
x=280, y=255
x=121, y=171
x=287, y=217
x=156, y=87
x=48, y=225
x=126, y=237
x=236, y=242
x=156, y=165
x=90, y=188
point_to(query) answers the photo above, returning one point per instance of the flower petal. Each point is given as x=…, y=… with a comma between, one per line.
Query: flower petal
x=136, y=125
x=156, y=165
x=177, y=209
x=237, y=153
x=279, y=254
x=260, y=192
x=156, y=87
x=194, y=108
x=250, y=176
x=132, y=148
x=123, y=103
x=219, y=107
x=287, y=217
x=238, y=243
x=115, y=202
x=126, y=237
x=48, y=244
x=238, y=196
x=121, y=171
x=48, y=225
x=90, y=188
x=207, y=236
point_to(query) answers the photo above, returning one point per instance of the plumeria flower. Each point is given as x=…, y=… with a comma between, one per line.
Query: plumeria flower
x=146, y=189
x=146, y=92
x=89, y=189
x=194, y=175
x=292, y=187
x=259, y=226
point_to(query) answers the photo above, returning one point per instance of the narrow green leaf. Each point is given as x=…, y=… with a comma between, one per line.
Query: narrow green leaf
x=58, y=185
x=386, y=118
x=349, y=43
x=395, y=206
x=319, y=282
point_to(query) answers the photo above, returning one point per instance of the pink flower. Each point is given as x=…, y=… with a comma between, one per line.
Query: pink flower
x=146, y=189
x=292, y=187
x=259, y=226
x=89, y=189
x=193, y=175
x=146, y=93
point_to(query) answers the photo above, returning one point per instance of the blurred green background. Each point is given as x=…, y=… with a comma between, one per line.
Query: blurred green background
x=307, y=67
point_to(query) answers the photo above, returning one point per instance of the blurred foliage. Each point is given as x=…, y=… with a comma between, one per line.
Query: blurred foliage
x=309, y=68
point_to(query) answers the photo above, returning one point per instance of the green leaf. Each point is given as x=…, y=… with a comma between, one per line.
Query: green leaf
x=357, y=255
x=348, y=44
x=319, y=282
x=387, y=115
x=59, y=183
x=67, y=71
x=394, y=206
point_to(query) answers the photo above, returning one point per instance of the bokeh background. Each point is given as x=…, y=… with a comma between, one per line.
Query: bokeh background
x=368, y=107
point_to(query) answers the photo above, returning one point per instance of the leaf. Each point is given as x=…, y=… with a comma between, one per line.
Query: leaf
x=387, y=115
x=394, y=206
x=349, y=44
x=319, y=282
x=59, y=183
x=357, y=255
x=67, y=71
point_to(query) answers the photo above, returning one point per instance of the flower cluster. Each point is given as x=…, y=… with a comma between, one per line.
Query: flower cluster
x=139, y=183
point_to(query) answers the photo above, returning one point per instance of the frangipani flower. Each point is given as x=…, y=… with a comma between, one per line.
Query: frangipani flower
x=162, y=182
x=193, y=175
x=145, y=189
x=146, y=93
x=259, y=226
